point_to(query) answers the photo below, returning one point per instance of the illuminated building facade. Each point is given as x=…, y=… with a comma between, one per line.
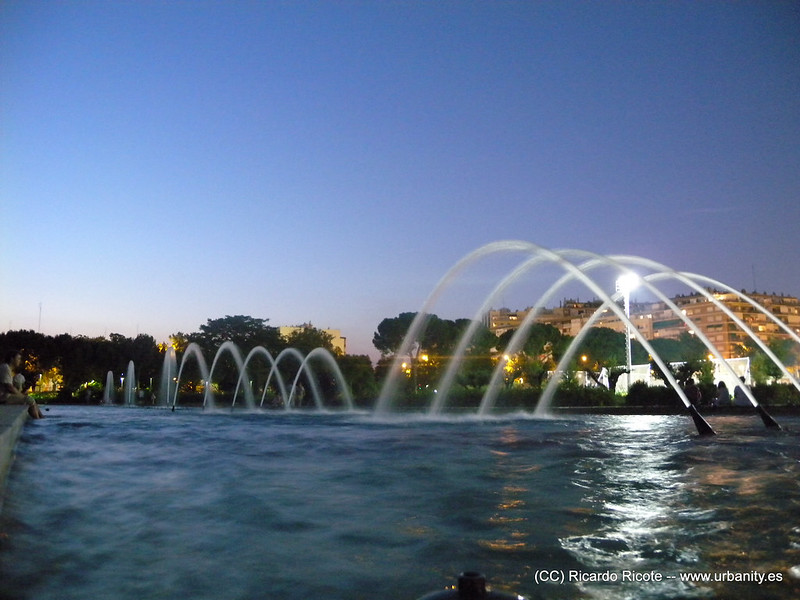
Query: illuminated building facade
x=656, y=320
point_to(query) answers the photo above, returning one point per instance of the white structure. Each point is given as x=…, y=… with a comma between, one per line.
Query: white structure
x=740, y=366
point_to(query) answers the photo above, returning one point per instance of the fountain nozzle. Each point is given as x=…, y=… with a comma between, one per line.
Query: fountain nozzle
x=471, y=586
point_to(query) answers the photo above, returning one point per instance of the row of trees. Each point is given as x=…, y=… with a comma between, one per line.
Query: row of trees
x=544, y=347
x=71, y=363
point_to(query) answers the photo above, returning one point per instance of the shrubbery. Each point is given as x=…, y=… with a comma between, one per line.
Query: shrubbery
x=573, y=395
x=777, y=394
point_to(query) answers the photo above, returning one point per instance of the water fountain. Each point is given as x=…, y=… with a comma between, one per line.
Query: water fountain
x=288, y=395
x=169, y=373
x=129, y=389
x=578, y=266
x=529, y=498
x=108, y=390
x=127, y=383
x=536, y=256
x=192, y=351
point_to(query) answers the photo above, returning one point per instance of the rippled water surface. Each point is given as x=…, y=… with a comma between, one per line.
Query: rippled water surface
x=136, y=503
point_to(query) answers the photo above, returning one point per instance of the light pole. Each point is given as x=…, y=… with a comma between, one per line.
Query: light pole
x=626, y=283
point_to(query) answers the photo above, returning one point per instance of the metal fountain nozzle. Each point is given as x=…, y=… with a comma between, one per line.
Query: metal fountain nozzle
x=471, y=586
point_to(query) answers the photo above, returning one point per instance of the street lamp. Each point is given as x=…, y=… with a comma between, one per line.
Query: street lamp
x=625, y=284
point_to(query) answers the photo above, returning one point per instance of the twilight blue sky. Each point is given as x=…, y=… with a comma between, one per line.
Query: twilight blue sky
x=162, y=163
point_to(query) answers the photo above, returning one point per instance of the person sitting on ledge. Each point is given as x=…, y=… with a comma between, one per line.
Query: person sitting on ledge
x=723, y=395
x=9, y=394
x=739, y=396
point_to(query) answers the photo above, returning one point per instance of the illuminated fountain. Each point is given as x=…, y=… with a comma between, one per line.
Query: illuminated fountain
x=169, y=377
x=287, y=395
x=129, y=388
x=578, y=266
x=537, y=256
x=108, y=390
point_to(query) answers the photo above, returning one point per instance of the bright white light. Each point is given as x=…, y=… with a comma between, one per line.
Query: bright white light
x=627, y=282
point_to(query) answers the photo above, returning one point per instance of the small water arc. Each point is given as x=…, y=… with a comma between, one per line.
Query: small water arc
x=327, y=357
x=192, y=350
x=298, y=356
x=236, y=354
x=254, y=352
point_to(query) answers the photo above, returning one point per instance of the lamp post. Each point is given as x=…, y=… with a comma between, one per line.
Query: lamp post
x=626, y=283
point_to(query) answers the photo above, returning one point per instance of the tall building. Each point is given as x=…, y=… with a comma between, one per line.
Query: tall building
x=656, y=320
x=725, y=333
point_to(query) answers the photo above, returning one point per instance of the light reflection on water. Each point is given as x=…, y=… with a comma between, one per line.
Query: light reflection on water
x=150, y=504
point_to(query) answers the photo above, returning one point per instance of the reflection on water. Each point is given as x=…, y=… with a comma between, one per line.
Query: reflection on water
x=150, y=504
x=677, y=505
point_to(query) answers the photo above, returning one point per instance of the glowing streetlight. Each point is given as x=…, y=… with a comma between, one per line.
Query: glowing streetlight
x=626, y=283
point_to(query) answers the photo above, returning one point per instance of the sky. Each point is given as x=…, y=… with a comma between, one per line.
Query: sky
x=165, y=163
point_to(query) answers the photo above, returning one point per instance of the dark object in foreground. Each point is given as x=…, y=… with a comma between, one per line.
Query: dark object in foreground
x=471, y=586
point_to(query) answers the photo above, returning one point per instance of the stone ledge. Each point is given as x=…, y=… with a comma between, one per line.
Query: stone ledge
x=12, y=418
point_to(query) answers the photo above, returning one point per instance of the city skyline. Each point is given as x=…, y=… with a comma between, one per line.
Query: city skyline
x=165, y=163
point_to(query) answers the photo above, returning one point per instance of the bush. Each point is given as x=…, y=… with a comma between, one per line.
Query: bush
x=640, y=394
x=776, y=394
x=570, y=394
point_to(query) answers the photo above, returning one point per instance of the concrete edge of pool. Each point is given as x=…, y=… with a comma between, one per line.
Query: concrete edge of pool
x=12, y=418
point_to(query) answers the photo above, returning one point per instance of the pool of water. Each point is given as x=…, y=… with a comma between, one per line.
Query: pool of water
x=136, y=503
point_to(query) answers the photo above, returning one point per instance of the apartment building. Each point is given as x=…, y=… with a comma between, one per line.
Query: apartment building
x=657, y=320
x=724, y=332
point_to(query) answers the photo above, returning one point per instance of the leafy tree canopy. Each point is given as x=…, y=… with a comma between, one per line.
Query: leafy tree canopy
x=439, y=337
x=391, y=332
x=244, y=331
x=306, y=338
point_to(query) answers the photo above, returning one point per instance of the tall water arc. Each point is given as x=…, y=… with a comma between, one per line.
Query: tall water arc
x=535, y=256
x=192, y=351
x=389, y=387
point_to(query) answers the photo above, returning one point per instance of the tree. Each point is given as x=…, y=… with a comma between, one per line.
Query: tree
x=762, y=367
x=391, y=333
x=603, y=347
x=83, y=359
x=307, y=338
x=244, y=331
x=357, y=371
x=429, y=353
x=539, y=335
